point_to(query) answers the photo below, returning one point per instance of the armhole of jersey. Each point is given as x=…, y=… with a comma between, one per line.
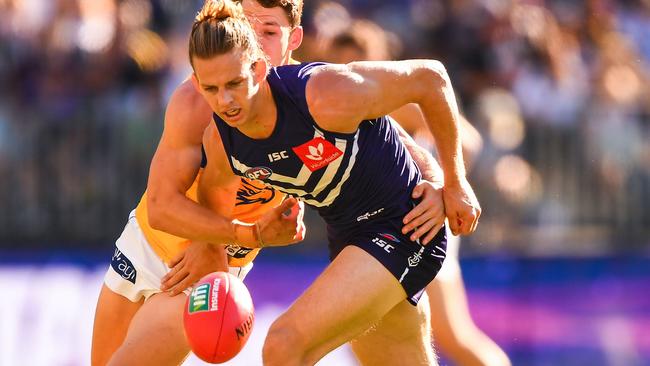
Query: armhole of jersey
x=204, y=157
x=297, y=92
x=222, y=129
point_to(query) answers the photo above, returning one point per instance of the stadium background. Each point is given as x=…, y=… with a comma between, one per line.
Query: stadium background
x=558, y=271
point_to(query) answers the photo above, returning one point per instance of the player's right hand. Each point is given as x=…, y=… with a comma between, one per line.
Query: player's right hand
x=461, y=207
x=278, y=228
x=196, y=261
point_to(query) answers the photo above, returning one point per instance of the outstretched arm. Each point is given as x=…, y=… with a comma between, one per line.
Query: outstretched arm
x=367, y=90
x=174, y=168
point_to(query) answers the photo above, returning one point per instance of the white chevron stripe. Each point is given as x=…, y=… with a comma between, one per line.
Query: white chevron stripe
x=301, y=179
x=353, y=157
x=241, y=167
x=305, y=174
x=331, y=169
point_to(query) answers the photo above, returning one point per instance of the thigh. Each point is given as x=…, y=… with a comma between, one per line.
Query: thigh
x=112, y=318
x=401, y=337
x=156, y=335
x=352, y=294
x=451, y=321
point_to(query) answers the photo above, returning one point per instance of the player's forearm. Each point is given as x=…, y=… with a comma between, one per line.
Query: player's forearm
x=183, y=217
x=180, y=216
x=428, y=165
x=440, y=111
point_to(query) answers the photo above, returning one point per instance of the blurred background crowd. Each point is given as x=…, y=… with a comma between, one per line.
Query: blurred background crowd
x=558, y=89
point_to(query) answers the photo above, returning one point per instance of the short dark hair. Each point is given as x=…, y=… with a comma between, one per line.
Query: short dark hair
x=292, y=8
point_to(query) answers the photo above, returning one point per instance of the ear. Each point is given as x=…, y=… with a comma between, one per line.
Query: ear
x=260, y=69
x=295, y=38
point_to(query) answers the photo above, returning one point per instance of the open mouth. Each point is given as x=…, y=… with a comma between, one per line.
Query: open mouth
x=231, y=113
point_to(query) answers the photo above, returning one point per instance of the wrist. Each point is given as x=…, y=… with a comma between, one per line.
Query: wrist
x=244, y=234
x=455, y=178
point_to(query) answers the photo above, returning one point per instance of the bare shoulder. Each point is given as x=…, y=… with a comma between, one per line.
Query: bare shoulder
x=187, y=114
x=211, y=139
x=335, y=85
x=328, y=81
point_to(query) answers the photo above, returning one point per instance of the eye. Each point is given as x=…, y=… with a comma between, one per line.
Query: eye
x=235, y=83
x=210, y=89
x=269, y=33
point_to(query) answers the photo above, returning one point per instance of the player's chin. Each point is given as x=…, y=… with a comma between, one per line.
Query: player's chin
x=235, y=118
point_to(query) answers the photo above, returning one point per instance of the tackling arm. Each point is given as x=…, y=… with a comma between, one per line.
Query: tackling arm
x=174, y=168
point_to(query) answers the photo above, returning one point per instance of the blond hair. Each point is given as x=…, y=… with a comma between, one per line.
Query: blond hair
x=219, y=27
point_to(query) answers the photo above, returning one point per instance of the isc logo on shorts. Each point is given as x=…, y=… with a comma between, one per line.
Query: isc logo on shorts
x=383, y=244
x=123, y=266
x=317, y=153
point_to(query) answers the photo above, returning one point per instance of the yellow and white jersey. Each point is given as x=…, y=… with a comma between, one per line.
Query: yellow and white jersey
x=253, y=200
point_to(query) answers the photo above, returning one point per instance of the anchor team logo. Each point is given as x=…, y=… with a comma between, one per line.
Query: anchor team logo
x=415, y=259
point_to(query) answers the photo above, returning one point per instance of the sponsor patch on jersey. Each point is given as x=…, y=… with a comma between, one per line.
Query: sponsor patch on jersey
x=123, y=266
x=199, y=299
x=317, y=153
x=259, y=172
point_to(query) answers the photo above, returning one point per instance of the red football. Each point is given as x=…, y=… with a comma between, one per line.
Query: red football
x=218, y=317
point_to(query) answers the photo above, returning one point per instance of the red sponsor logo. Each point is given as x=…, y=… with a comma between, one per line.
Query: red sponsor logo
x=317, y=153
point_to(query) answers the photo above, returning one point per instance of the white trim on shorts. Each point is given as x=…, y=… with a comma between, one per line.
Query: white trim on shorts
x=149, y=268
x=451, y=266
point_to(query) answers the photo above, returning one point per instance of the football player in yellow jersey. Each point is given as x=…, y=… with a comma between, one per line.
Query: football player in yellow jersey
x=146, y=255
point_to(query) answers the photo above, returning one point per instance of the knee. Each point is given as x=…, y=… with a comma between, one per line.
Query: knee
x=283, y=345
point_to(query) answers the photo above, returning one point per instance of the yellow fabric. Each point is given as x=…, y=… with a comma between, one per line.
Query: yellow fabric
x=253, y=200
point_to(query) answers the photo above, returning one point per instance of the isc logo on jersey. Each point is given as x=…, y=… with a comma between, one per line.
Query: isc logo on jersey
x=317, y=153
x=259, y=172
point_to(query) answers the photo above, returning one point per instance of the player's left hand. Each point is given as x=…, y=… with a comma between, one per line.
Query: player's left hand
x=429, y=215
x=196, y=261
x=462, y=207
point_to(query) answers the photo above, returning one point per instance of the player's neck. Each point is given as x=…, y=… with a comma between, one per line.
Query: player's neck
x=264, y=117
